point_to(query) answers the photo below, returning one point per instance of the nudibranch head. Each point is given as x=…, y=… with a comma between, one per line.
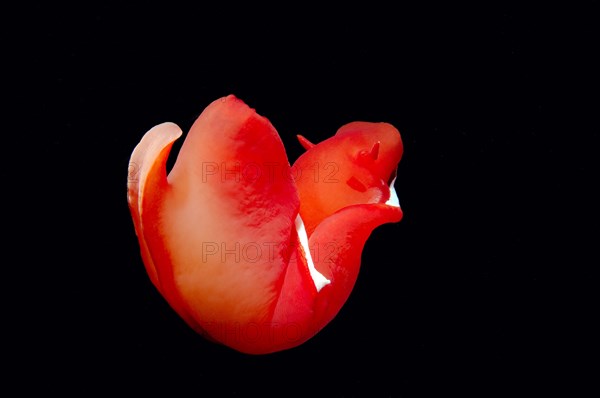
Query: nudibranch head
x=355, y=166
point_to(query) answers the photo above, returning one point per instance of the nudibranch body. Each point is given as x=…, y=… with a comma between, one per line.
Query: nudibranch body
x=250, y=251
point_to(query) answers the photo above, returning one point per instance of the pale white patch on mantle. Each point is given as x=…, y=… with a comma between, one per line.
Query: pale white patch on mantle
x=317, y=277
x=393, y=200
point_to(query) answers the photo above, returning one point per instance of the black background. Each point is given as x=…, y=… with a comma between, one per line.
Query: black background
x=482, y=289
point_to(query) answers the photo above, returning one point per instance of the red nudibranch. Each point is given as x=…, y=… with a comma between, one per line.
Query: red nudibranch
x=251, y=252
